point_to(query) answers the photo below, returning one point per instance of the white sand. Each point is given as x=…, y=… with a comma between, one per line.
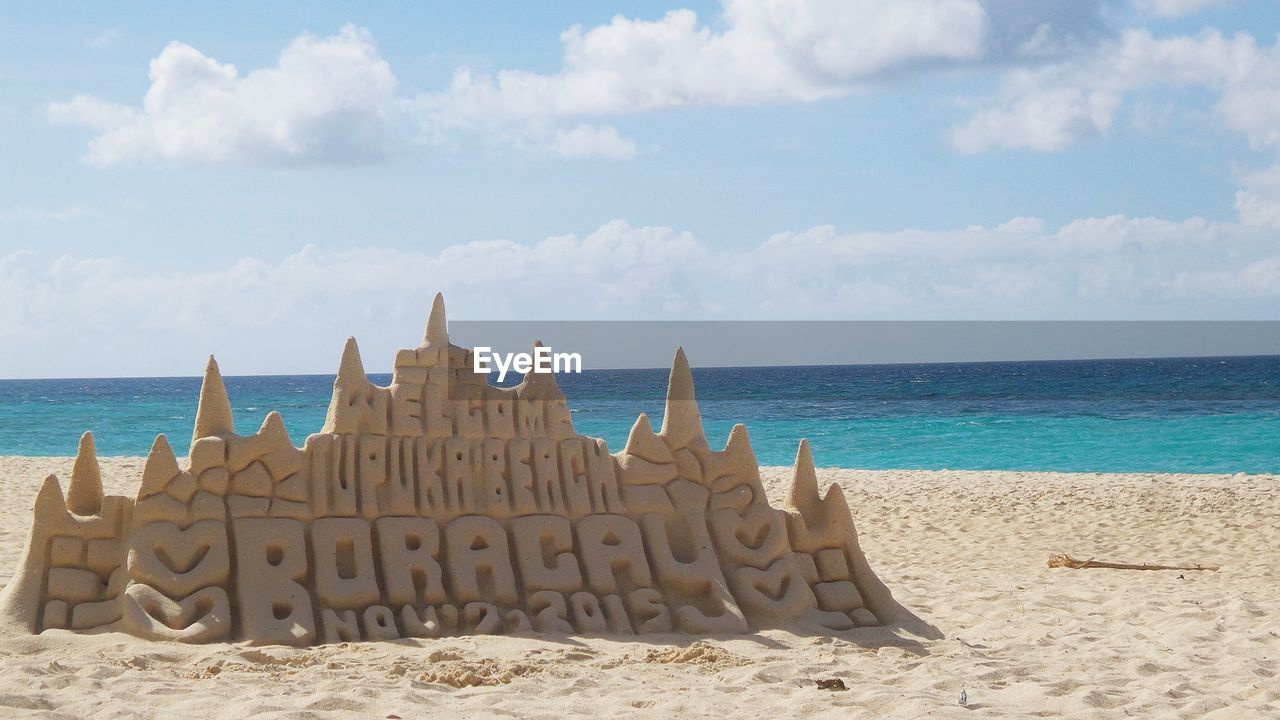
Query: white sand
x=966, y=551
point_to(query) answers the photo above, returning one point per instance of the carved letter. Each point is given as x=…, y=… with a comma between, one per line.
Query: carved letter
x=271, y=559
x=345, y=574
x=478, y=557
x=610, y=546
x=543, y=552
x=410, y=572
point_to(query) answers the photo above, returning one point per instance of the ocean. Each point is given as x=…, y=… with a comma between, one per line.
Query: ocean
x=1219, y=415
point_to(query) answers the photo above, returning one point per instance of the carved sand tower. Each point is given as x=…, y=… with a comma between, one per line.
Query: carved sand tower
x=442, y=505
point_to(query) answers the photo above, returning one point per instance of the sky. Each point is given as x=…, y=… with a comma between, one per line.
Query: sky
x=262, y=180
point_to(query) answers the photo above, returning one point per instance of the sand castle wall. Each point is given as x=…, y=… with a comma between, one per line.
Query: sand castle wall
x=442, y=505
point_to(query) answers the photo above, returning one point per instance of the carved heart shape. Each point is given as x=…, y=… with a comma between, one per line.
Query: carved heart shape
x=176, y=561
x=772, y=583
x=777, y=592
x=756, y=537
x=203, y=616
x=752, y=537
x=760, y=527
x=180, y=564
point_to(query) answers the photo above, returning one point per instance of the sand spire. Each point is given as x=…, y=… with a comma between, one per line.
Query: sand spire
x=213, y=414
x=822, y=519
x=641, y=429
x=681, y=422
x=160, y=468
x=273, y=425
x=644, y=444
x=803, y=495
x=84, y=495
x=351, y=368
x=350, y=405
x=437, y=330
x=739, y=443
x=50, y=502
x=540, y=385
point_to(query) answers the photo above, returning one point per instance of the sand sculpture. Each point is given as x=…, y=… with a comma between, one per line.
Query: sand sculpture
x=442, y=505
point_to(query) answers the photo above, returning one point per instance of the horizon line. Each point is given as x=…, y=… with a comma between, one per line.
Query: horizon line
x=694, y=367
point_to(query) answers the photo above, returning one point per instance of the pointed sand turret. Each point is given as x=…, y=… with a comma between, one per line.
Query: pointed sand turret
x=50, y=502
x=160, y=468
x=20, y=601
x=738, y=462
x=803, y=495
x=825, y=519
x=351, y=393
x=213, y=414
x=539, y=385
x=351, y=367
x=818, y=522
x=739, y=444
x=437, y=330
x=644, y=444
x=273, y=426
x=84, y=495
x=681, y=422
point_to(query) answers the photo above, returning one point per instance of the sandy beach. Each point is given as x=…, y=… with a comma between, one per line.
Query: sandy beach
x=966, y=551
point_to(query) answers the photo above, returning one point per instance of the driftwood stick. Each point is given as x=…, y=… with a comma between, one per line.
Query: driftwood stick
x=1067, y=561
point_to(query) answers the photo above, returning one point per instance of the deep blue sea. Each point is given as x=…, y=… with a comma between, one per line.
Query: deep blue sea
x=1167, y=415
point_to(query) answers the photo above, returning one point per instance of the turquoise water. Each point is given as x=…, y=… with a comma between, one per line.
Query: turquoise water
x=1168, y=415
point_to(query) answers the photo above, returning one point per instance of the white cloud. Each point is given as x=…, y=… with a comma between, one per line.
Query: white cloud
x=1258, y=200
x=333, y=100
x=291, y=314
x=1179, y=8
x=1049, y=108
x=1038, y=119
x=767, y=52
x=327, y=100
x=589, y=141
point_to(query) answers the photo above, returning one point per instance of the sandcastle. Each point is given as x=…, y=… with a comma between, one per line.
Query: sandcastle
x=442, y=505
